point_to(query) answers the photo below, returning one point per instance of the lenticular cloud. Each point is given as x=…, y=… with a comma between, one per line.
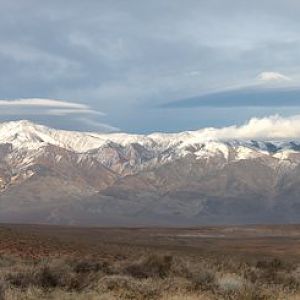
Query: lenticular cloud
x=272, y=76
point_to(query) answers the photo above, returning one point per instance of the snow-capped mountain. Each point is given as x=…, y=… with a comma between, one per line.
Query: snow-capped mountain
x=193, y=177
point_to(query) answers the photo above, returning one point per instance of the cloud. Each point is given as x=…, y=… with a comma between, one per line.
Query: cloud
x=80, y=113
x=45, y=106
x=272, y=76
x=63, y=112
x=255, y=96
x=272, y=127
x=38, y=102
x=124, y=57
x=99, y=125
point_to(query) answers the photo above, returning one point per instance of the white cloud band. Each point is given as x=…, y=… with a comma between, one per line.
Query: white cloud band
x=273, y=127
x=38, y=102
x=45, y=107
x=52, y=107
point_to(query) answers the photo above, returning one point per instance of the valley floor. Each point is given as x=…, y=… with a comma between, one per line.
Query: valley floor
x=229, y=262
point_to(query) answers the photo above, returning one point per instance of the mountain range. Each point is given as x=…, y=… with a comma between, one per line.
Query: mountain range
x=188, y=178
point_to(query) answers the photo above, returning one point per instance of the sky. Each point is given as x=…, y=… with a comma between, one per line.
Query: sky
x=144, y=66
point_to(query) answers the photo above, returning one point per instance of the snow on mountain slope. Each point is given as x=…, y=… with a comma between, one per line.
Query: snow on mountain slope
x=25, y=134
x=127, y=154
x=46, y=172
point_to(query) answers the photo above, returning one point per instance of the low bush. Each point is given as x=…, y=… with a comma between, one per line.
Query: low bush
x=2, y=290
x=203, y=280
x=151, y=266
x=89, y=266
x=230, y=283
x=274, y=265
x=46, y=277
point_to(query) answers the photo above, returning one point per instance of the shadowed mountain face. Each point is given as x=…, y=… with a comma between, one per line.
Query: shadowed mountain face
x=51, y=176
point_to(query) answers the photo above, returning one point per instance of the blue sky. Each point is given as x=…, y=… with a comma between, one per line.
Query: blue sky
x=143, y=66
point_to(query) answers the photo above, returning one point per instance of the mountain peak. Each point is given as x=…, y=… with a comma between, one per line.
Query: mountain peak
x=17, y=123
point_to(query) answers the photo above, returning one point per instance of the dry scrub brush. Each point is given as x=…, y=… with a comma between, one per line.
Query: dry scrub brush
x=151, y=276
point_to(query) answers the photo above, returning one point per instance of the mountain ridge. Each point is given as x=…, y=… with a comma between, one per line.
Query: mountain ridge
x=55, y=176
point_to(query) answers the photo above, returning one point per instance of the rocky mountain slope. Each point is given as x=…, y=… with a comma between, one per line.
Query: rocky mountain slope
x=54, y=176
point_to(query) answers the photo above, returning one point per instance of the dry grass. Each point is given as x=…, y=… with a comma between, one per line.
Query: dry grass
x=126, y=270
x=151, y=277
